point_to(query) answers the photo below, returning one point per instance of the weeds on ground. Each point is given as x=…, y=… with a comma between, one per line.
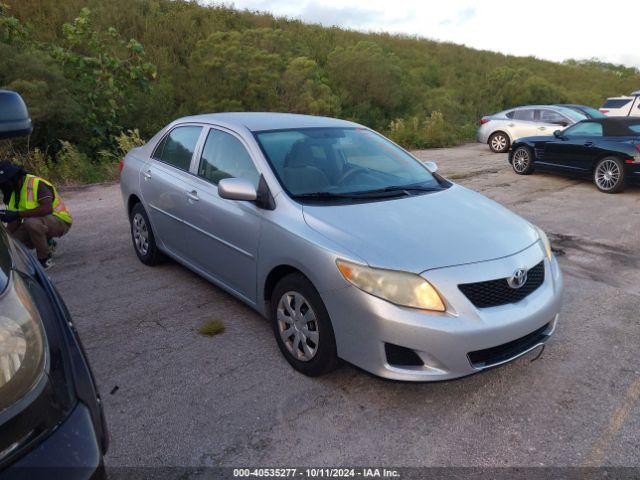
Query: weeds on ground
x=211, y=328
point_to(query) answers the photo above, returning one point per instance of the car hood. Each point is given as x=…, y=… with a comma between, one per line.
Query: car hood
x=451, y=227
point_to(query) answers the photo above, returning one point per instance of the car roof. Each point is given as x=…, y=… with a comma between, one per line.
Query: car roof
x=260, y=121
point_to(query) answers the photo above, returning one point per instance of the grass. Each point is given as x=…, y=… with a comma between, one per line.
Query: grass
x=211, y=328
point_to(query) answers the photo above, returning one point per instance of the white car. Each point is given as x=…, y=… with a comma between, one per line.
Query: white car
x=626, y=106
x=501, y=129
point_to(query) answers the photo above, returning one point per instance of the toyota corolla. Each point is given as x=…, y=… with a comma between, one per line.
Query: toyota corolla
x=349, y=245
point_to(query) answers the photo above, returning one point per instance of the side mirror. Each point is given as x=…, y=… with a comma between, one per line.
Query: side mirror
x=558, y=134
x=14, y=116
x=237, y=189
x=431, y=166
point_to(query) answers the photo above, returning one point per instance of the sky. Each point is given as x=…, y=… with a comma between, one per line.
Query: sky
x=552, y=30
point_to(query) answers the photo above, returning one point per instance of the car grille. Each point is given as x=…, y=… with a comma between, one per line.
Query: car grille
x=498, y=292
x=507, y=351
x=539, y=153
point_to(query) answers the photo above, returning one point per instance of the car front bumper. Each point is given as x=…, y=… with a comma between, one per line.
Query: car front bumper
x=70, y=452
x=363, y=324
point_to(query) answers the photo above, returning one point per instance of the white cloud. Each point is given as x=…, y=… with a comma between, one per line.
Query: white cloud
x=549, y=29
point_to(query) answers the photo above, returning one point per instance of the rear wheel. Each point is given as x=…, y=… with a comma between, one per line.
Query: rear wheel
x=144, y=242
x=302, y=326
x=609, y=175
x=522, y=161
x=499, y=142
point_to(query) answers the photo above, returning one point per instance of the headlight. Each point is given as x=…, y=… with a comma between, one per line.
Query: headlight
x=545, y=242
x=22, y=345
x=401, y=288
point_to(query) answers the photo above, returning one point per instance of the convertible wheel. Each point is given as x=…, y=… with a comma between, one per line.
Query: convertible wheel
x=144, y=242
x=609, y=175
x=302, y=326
x=522, y=161
x=499, y=142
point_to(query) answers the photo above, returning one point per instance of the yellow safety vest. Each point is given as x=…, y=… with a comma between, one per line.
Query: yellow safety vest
x=29, y=198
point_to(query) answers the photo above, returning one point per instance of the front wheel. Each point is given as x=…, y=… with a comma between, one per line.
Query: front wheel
x=302, y=326
x=522, y=161
x=499, y=142
x=609, y=175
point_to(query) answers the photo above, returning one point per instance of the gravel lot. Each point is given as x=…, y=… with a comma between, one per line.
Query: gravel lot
x=174, y=397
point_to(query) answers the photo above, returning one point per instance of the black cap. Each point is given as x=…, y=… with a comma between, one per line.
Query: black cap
x=8, y=170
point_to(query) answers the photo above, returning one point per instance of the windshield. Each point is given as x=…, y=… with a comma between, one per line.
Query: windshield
x=341, y=161
x=572, y=114
x=593, y=112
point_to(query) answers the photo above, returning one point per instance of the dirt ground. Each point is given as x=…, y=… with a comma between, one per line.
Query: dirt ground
x=174, y=397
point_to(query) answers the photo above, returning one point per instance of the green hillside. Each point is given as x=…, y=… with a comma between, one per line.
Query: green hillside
x=89, y=85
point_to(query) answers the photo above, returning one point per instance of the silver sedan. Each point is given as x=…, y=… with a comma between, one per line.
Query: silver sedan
x=350, y=246
x=502, y=129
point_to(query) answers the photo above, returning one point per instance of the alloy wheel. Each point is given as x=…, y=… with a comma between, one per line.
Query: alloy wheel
x=521, y=160
x=140, y=233
x=298, y=326
x=608, y=175
x=499, y=143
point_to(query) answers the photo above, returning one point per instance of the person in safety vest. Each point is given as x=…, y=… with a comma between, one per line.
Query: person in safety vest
x=35, y=214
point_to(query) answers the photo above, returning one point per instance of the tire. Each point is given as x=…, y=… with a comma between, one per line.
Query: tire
x=310, y=347
x=144, y=242
x=609, y=175
x=522, y=161
x=499, y=142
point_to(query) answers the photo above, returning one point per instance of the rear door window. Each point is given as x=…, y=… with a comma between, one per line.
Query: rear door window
x=177, y=148
x=616, y=102
x=527, y=115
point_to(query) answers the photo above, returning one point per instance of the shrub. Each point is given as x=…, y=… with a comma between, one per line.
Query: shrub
x=430, y=132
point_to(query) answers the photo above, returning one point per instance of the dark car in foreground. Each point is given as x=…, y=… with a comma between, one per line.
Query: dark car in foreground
x=51, y=419
x=607, y=149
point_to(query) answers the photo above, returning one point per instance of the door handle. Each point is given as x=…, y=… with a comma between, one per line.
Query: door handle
x=588, y=144
x=542, y=128
x=147, y=175
x=192, y=196
x=511, y=124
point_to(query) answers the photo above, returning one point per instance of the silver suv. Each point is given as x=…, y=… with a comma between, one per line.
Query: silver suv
x=350, y=246
x=501, y=129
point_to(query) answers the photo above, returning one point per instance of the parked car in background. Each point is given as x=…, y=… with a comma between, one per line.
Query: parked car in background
x=50, y=411
x=352, y=247
x=501, y=129
x=624, y=106
x=607, y=149
x=589, y=112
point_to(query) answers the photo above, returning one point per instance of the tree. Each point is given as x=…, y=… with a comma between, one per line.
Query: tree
x=368, y=80
x=104, y=69
x=305, y=91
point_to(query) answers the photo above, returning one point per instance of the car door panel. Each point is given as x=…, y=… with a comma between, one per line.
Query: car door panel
x=164, y=188
x=224, y=238
x=223, y=235
x=577, y=148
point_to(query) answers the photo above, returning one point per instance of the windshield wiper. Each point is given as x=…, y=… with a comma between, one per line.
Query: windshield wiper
x=323, y=195
x=392, y=191
x=395, y=189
